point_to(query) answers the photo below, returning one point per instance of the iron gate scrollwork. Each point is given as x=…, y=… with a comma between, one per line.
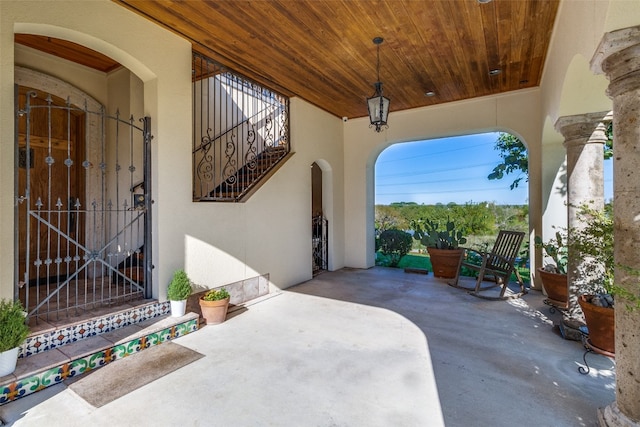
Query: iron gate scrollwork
x=319, y=240
x=82, y=206
x=240, y=132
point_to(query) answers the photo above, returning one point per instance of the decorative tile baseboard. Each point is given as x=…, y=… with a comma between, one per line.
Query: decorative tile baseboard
x=113, y=345
x=49, y=340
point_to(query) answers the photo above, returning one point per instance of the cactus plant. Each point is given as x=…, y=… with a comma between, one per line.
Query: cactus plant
x=557, y=250
x=429, y=234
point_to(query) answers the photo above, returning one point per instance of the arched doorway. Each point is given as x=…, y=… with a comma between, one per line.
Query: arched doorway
x=319, y=223
x=449, y=178
x=82, y=215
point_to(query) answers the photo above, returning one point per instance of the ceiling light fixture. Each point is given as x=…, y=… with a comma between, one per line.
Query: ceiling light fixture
x=495, y=72
x=378, y=105
x=430, y=93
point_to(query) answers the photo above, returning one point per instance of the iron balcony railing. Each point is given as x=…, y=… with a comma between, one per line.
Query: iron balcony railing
x=240, y=132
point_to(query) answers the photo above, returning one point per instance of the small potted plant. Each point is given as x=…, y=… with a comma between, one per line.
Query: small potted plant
x=554, y=276
x=13, y=332
x=443, y=245
x=178, y=291
x=214, y=304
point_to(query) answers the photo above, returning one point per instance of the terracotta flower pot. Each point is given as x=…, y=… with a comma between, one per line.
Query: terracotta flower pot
x=601, y=324
x=556, y=287
x=445, y=262
x=214, y=312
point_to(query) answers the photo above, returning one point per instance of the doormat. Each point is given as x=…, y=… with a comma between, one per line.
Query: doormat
x=106, y=384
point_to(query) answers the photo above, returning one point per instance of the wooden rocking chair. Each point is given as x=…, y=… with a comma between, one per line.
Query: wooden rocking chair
x=496, y=266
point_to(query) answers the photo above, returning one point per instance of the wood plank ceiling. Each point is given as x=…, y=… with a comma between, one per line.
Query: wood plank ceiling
x=69, y=51
x=322, y=50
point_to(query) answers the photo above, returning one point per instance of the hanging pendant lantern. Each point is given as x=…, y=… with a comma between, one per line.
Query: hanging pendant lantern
x=378, y=105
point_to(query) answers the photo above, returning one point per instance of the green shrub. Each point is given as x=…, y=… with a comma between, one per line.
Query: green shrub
x=593, y=242
x=395, y=244
x=13, y=326
x=180, y=286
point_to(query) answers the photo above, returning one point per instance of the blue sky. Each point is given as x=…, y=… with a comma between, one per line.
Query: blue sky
x=449, y=170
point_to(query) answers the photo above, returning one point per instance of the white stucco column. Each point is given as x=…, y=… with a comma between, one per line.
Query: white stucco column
x=585, y=135
x=618, y=57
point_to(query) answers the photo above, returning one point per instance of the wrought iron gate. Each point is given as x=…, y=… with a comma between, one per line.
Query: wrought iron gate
x=319, y=240
x=83, y=238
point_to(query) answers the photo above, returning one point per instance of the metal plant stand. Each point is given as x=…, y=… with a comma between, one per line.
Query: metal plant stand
x=555, y=305
x=590, y=348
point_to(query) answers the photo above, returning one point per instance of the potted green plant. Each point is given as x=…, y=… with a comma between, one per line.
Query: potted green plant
x=13, y=332
x=214, y=304
x=443, y=245
x=593, y=243
x=554, y=276
x=178, y=291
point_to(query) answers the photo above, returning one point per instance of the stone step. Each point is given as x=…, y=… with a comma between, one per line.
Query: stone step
x=51, y=356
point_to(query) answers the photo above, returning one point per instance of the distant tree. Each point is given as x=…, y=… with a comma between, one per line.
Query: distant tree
x=386, y=217
x=478, y=218
x=513, y=217
x=514, y=159
x=401, y=204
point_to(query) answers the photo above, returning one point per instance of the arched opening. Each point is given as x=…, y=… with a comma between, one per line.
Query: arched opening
x=83, y=216
x=319, y=223
x=447, y=179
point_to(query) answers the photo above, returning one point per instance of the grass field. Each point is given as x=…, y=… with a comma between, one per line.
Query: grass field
x=415, y=260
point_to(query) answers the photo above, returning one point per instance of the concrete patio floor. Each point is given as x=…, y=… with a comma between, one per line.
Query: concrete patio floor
x=377, y=347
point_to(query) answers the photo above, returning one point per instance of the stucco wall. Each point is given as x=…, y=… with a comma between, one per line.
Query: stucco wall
x=271, y=232
x=88, y=80
x=216, y=243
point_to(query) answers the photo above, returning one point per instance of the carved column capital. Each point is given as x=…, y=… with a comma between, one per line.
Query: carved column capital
x=618, y=57
x=583, y=129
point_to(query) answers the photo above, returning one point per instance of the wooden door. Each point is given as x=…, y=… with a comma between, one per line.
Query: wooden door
x=50, y=182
